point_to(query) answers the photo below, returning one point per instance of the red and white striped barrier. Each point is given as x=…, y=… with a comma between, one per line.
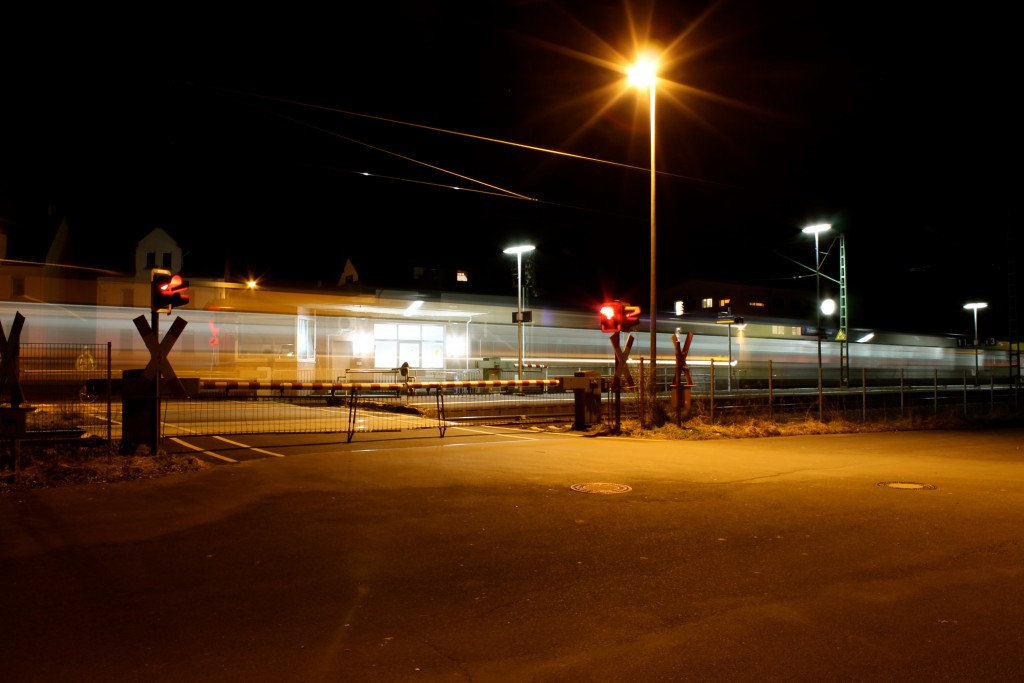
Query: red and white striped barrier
x=372, y=386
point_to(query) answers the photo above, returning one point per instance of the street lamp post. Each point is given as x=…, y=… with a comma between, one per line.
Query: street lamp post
x=519, y=251
x=644, y=74
x=815, y=230
x=974, y=307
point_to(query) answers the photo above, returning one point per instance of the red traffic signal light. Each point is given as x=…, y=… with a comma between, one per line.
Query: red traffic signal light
x=612, y=315
x=167, y=291
x=616, y=315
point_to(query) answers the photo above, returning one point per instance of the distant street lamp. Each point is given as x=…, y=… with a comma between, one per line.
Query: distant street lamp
x=644, y=74
x=519, y=251
x=974, y=307
x=814, y=230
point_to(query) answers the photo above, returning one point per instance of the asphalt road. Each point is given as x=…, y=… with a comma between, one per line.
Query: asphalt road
x=497, y=555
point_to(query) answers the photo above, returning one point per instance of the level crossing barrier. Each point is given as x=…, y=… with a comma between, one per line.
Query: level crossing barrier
x=391, y=406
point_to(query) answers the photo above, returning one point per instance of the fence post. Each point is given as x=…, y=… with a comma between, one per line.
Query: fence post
x=110, y=395
x=821, y=395
x=642, y=416
x=771, y=395
x=902, y=413
x=712, y=394
x=991, y=394
x=965, y=393
x=864, y=395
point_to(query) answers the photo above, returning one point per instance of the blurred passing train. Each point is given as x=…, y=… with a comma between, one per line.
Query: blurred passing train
x=306, y=337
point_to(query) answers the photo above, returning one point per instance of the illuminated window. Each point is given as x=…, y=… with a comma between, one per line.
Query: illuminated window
x=707, y=303
x=461, y=276
x=722, y=303
x=305, y=339
x=755, y=304
x=408, y=345
x=421, y=346
x=432, y=346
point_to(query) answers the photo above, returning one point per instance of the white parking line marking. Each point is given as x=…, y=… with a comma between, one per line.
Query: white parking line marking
x=251, y=448
x=203, y=451
x=480, y=431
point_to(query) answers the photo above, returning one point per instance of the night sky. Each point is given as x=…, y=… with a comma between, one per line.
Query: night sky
x=246, y=135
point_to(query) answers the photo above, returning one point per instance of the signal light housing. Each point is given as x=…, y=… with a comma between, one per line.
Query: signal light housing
x=167, y=291
x=632, y=317
x=616, y=315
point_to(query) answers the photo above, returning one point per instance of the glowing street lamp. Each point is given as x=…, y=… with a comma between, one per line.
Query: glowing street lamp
x=814, y=230
x=974, y=307
x=519, y=251
x=644, y=74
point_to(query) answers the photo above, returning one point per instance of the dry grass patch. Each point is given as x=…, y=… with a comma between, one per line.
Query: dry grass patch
x=67, y=464
x=699, y=428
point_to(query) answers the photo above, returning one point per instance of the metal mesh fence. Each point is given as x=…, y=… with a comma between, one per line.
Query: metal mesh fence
x=65, y=388
x=311, y=407
x=788, y=392
x=69, y=390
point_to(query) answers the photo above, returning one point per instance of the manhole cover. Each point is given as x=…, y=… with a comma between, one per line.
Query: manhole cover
x=905, y=485
x=601, y=487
